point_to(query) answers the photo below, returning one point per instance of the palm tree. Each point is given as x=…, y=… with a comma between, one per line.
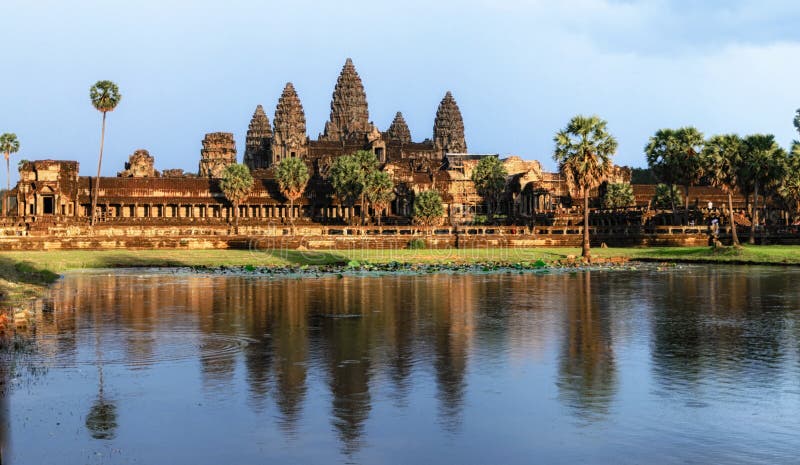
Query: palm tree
x=8, y=144
x=583, y=152
x=292, y=175
x=674, y=156
x=379, y=191
x=236, y=184
x=721, y=161
x=762, y=164
x=105, y=97
x=490, y=181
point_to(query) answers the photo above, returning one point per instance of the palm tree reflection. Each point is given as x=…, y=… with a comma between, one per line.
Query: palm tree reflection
x=587, y=372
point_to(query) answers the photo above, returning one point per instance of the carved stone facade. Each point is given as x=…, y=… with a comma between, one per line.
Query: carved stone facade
x=349, y=120
x=289, y=135
x=219, y=151
x=139, y=165
x=448, y=129
x=398, y=131
x=258, y=149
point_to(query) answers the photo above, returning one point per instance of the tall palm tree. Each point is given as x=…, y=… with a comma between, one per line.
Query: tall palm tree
x=105, y=97
x=292, y=175
x=721, y=159
x=762, y=165
x=674, y=157
x=8, y=144
x=236, y=184
x=583, y=152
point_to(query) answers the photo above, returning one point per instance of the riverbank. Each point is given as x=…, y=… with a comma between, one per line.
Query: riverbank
x=40, y=268
x=26, y=274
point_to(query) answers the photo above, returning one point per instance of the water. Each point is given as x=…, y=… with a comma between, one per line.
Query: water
x=691, y=365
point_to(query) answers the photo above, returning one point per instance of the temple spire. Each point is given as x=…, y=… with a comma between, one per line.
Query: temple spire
x=257, y=145
x=398, y=131
x=448, y=128
x=349, y=112
x=289, y=138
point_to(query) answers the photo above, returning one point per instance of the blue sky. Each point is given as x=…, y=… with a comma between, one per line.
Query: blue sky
x=519, y=69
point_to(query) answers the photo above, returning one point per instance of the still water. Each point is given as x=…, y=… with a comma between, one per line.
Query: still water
x=690, y=365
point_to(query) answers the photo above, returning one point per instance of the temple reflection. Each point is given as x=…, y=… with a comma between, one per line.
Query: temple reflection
x=367, y=339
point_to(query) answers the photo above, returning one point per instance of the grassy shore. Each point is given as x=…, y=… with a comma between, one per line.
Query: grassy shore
x=31, y=263
x=25, y=274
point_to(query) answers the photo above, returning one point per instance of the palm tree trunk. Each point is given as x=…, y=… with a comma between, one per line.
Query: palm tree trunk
x=8, y=172
x=236, y=218
x=97, y=179
x=585, y=252
x=735, y=237
x=686, y=205
x=672, y=201
x=754, y=216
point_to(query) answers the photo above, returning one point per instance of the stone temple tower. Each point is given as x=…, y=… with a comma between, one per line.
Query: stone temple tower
x=219, y=151
x=349, y=119
x=398, y=131
x=258, y=145
x=289, y=133
x=448, y=129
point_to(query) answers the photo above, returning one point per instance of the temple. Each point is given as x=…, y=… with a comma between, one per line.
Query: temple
x=52, y=196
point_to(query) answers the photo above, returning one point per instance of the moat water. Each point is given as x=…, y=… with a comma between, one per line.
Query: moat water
x=688, y=365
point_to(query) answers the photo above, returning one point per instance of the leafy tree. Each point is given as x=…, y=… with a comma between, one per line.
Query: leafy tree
x=797, y=120
x=379, y=191
x=236, y=184
x=583, y=151
x=490, y=181
x=721, y=161
x=618, y=195
x=674, y=157
x=105, y=97
x=762, y=166
x=292, y=175
x=347, y=180
x=348, y=176
x=666, y=196
x=428, y=208
x=790, y=188
x=8, y=144
x=643, y=176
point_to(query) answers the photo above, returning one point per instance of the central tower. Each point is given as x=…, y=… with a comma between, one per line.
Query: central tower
x=349, y=114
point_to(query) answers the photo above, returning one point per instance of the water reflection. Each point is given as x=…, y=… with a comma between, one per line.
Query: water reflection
x=587, y=373
x=357, y=354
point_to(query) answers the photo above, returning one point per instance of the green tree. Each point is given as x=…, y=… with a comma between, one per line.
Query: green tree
x=236, y=184
x=348, y=176
x=762, y=166
x=292, y=175
x=666, y=196
x=8, y=144
x=674, y=157
x=583, y=152
x=105, y=97
x=721, y=160
x=379, y=191
x=490, y=181
x=428, y=208
x=618, y=195
x=790, y=188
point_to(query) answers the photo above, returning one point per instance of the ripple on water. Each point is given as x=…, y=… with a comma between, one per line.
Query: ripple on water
x=135, y=348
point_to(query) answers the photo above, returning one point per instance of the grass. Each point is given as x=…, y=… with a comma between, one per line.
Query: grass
x=25, y=274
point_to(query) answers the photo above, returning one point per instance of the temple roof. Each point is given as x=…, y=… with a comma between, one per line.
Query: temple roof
x=290, y=119
x=399, y=131
x=349, y=112
x=448, y=128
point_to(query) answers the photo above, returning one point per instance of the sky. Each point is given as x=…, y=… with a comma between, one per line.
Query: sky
x=519, y=70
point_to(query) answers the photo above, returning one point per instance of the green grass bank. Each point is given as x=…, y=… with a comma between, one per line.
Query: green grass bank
x=25, y=274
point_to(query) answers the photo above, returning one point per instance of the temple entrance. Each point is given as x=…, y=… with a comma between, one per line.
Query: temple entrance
x=48, y=205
